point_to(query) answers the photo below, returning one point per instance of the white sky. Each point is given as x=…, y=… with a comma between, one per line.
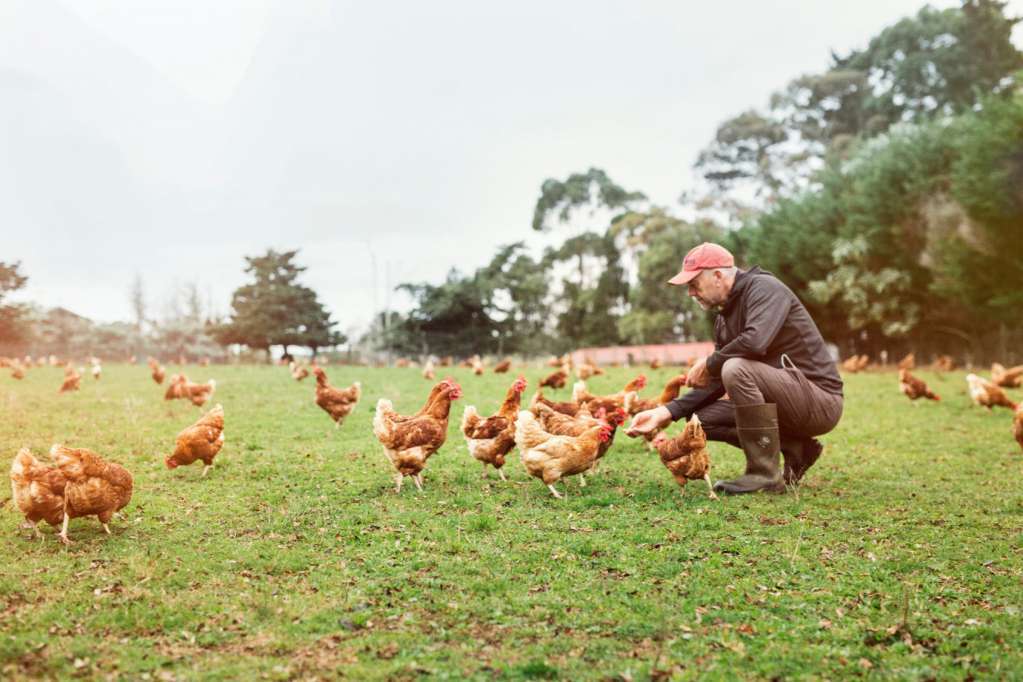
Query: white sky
x=172, y=137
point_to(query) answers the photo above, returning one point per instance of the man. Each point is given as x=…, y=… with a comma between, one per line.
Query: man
x=770, y=385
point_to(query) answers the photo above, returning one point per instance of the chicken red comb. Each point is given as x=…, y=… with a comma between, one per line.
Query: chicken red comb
x=641, y=380
x=520, y=384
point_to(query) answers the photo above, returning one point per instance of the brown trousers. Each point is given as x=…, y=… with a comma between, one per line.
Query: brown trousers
x=804, y=409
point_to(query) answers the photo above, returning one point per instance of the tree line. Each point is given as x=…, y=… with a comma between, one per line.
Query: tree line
x=887, y=191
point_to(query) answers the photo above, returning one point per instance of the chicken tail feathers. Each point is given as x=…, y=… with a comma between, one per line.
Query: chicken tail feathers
x=382, y=425
x=528, y=432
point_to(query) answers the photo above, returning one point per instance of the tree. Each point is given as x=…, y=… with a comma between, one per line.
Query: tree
x=452, y=318
x=937, y=63
x=593, y=189
x=12, y=328
x=275, y=310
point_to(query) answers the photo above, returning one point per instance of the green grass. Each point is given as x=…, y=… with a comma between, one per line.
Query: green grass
x=900, y=556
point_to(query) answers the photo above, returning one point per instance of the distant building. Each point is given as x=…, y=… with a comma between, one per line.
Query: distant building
x=667, y=353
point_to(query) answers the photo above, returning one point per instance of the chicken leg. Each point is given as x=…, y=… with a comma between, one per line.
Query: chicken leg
x=710, y=486
x=399, y=478
x=550, y=486
x=63, y=531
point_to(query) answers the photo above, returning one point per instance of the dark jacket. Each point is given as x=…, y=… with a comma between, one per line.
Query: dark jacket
x=762, y=320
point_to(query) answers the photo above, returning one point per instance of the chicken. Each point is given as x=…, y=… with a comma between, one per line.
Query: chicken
x=175, y=387
x=610, y=403
x=17, y=370
x=97, y=369
x=555, y=380
x=986, y=394
x=944, y=363
x=447, y=361
x=551, y=457
x=200, y=441
x=685, y=455
x=71, y=379
x=1009, y=378
x=94, y=487
x=908, y=362
x=633, y=404
x=402, y=362
x=554, y=361
x=491, y=439
x=855, y=363
x=914, y=388
x=158, y=371
x=429, y=372
x=1017, y=424
x=477, y=365
x=199, y=394
x=503, y=366
x=570, y=408
x=409, y=441
x=655, y=363
x=585, y=371
x=38, y=490
x=298, y=372
x=337, y=402
x=563, y=425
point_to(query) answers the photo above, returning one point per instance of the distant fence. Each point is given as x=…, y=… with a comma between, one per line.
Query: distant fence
x=667, y=353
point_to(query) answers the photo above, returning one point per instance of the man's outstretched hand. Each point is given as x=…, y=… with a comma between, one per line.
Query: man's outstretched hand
x=698, y=377
x=648, y=420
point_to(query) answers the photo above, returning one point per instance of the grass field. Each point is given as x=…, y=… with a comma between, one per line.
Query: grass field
x=900, y=556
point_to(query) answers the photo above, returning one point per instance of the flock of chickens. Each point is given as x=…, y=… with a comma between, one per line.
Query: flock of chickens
x=983, y=392
x=555, y=439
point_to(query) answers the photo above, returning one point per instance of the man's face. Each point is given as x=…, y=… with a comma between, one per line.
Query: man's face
x=709, y=289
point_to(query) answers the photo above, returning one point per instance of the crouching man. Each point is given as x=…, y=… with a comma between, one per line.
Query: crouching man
x=769, y=387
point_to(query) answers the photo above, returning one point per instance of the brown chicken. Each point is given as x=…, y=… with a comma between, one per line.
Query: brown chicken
x=563, y=425
x=555, y=379
x=855, y=363
x=410, y=440
x=38, y=490
x=298, y=372
x=908, y=362
x=914, y=388
x=944, y=363
x=571, y=408
x=337, y=402
x=94, y=487
x=551, y=457
x=685, y=455
x=158, y=372
x=477, y=365
x=199, y=394
x=633, y=404
x=72, y=379
x=17, y=370
x=503, y=366
x=491, y=439
x=585, y=371
x=200, y=441
x=609, y=403
x=655, y=363
x=1017, y=425
x=986, y=394
x=1007, y=378
x=429, y=373
x=175, y=387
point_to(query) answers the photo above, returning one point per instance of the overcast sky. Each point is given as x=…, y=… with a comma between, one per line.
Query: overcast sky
x=172, y=137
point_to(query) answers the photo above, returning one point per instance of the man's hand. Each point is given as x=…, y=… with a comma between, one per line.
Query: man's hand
x=645, y=422
x=698, y=377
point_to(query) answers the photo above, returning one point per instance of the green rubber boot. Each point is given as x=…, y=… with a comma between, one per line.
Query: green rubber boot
x=757, y=426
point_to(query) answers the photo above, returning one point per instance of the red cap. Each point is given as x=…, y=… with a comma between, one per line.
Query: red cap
x=702, y=257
